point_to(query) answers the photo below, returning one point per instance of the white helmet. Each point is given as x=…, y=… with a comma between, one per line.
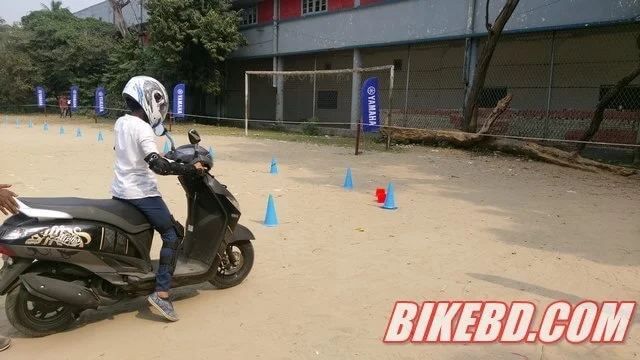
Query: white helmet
x=151, y=95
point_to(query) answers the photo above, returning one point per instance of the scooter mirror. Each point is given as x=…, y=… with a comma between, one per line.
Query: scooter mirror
x=194, y=137
x=159, y=130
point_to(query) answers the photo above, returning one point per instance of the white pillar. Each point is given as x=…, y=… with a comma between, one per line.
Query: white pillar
x=355, y=90
x=280, y=92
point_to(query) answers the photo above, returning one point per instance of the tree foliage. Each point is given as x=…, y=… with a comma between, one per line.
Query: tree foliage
x=67, y=50
x=54, y=49
x=17, y=72
x=192, y=39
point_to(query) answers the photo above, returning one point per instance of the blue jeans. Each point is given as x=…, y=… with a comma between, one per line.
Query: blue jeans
x=158, y=214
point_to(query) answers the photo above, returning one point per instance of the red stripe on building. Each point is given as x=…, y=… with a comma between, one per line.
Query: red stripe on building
x=265, y=11
x=290, y=8
x=339, y=4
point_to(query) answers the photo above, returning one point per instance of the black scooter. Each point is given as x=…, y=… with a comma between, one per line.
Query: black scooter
x=66, y=255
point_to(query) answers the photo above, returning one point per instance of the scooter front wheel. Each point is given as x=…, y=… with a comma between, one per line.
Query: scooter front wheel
x=36, y=317
x=235, y=267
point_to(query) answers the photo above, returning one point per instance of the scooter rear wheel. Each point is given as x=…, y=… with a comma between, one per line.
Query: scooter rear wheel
x=228, y=276
x=28, y=313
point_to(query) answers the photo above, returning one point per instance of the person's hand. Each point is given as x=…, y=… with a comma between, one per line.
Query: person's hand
x=201, y=170
x=7, y=201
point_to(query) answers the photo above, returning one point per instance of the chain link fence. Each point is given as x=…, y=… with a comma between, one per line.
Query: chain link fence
x=557, y=79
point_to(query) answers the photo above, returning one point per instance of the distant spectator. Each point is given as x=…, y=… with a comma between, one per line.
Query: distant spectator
x=62, y=103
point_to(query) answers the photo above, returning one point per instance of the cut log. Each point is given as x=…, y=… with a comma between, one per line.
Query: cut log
x=506, y=145
x=554, y=156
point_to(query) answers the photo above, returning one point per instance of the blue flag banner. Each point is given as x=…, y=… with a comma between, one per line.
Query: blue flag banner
x=74, y=98
x=41, y=96
x=370, y=105
x=178, y=101
x=101, y=101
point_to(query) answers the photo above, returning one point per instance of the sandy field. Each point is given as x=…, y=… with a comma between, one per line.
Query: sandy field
x=467, y=227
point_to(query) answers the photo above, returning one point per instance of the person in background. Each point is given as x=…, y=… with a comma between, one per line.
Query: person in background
x=69, y=107
x=8, y=205
x=62, y=103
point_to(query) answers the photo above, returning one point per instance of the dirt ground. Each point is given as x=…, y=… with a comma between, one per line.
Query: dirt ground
x=467, y=227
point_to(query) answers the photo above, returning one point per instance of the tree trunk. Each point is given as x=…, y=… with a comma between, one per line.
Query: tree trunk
x=119, y=19
x=603, y=104
x=469, y=122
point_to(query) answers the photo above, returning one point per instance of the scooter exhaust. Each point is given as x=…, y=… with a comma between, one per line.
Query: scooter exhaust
x=57, y=290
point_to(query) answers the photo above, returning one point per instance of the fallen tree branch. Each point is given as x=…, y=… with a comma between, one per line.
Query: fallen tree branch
x=511, y=146
x=517, y=147
x=502, y=106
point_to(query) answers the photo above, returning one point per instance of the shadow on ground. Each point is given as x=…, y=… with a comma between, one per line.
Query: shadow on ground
x=538, y=199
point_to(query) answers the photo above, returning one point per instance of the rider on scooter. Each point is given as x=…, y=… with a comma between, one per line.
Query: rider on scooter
x=137, y=158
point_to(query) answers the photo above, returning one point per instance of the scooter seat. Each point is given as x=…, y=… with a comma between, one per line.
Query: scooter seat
x=113, y=212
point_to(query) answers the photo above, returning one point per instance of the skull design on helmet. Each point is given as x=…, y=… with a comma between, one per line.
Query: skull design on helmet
x=152, y=97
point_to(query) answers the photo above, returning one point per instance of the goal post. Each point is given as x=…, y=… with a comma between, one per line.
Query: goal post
x=314, y=94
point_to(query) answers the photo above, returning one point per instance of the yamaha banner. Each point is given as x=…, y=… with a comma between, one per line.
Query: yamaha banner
x=101, y=101
x=370, y=105
x=41, y=96
x=178, y=101
x=74, y=98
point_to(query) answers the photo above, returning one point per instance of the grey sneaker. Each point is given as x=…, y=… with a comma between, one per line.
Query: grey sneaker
x=164, y=306
x=5, y=342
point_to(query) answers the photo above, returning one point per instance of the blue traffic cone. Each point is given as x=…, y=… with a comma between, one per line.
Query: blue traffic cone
x=211, y=152
x=61, y=130
x=166, y=147
x=17, y=121
x=270, y=218
x=30, y=123
x=100, y=137
x=46, y=126
x=78, y=133
x=348, y=182
x=274, y=166
x=390, y=201
x=6, y=121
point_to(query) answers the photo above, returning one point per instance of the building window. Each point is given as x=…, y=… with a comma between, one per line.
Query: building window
x=627, y=99
x=397, y=64
x=489, y=97
x=328, y=99
x=250, y=15
x=313, y=6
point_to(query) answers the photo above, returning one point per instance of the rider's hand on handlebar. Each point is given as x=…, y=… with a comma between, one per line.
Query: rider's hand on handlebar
x=200, y=168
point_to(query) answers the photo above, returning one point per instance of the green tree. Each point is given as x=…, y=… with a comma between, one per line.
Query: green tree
x=67, y=50
x=127, y=59
x=192, y=39
x=18, y=74
x=53, y=6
